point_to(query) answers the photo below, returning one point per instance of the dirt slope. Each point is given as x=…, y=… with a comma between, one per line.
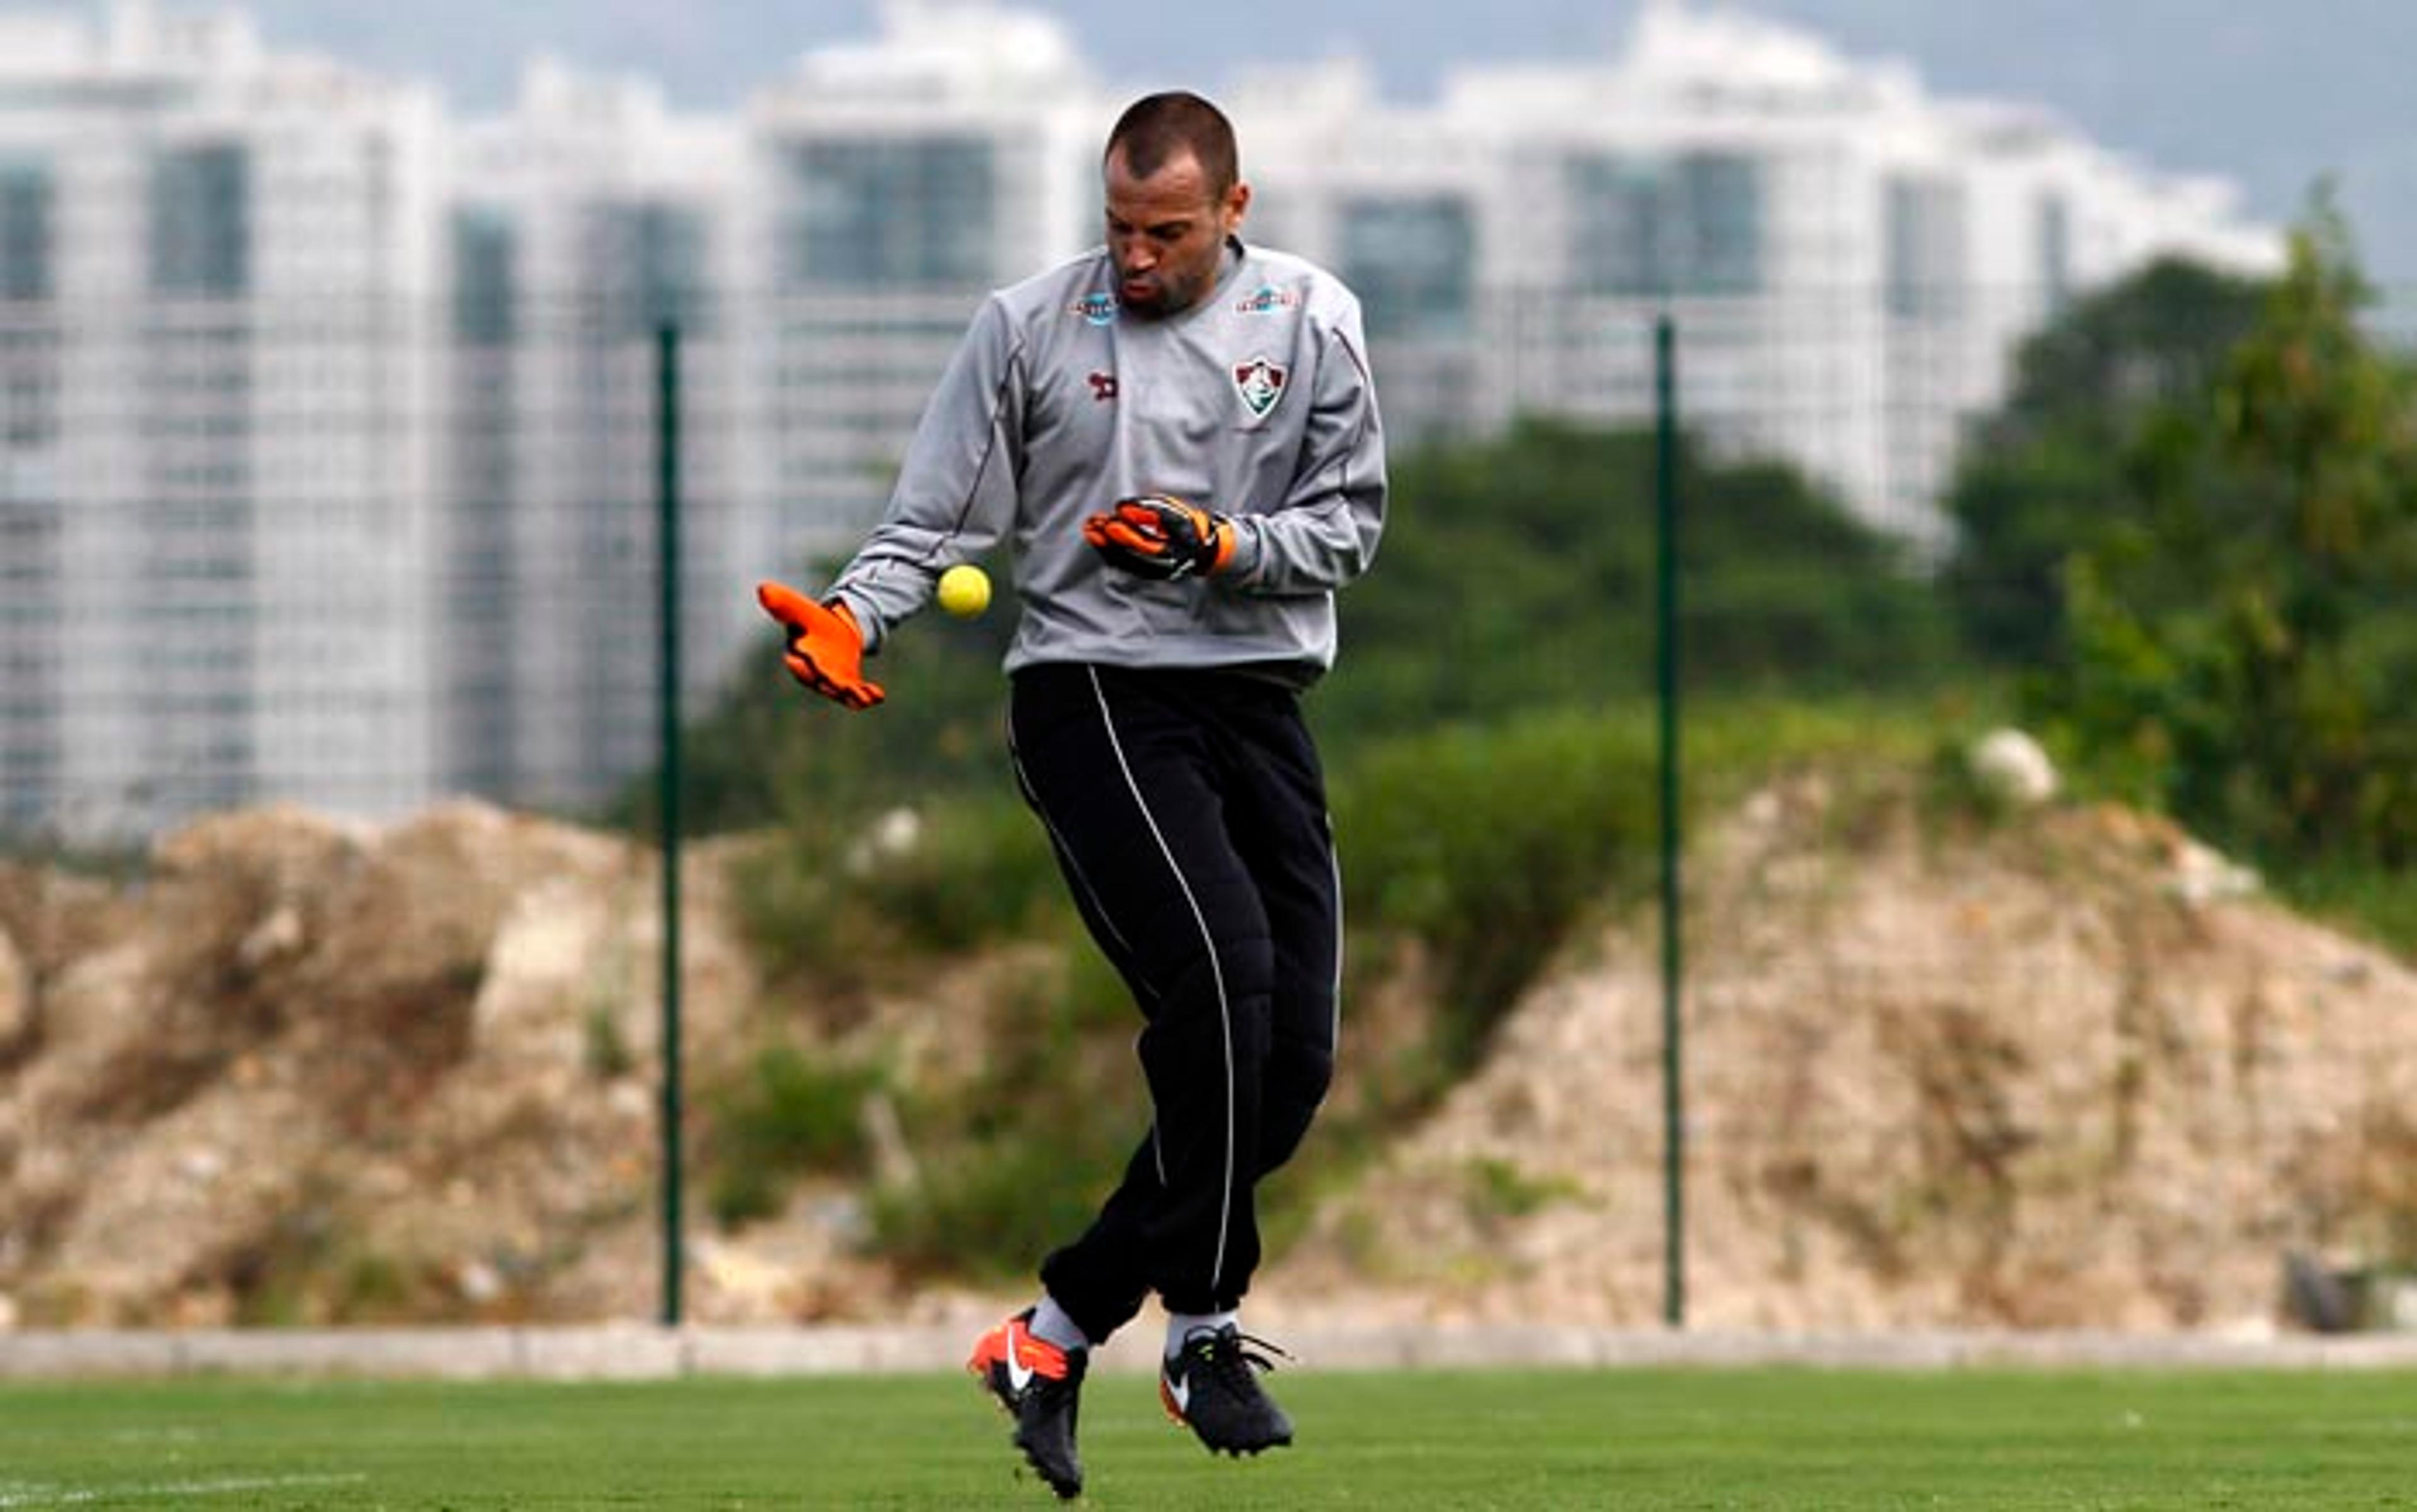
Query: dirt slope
x=2049, y=1073
x=2069, y=1072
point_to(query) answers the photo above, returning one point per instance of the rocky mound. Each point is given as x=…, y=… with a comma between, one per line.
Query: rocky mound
x=306, y=1069
x=2069, y=1072
x=2066, y=1071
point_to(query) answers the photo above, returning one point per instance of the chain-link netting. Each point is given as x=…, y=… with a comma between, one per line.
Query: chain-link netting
x=1957, y=1050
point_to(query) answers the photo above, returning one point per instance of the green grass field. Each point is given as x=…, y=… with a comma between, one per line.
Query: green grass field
x=1703, y=1439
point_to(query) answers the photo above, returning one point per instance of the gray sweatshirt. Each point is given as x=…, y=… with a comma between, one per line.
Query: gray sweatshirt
x=1256, y=404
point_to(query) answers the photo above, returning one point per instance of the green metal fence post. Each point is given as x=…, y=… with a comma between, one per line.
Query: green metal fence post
x=667, y=542
x=1665, y=518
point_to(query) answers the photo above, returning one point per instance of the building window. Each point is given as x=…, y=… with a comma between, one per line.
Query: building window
x=909, y=214
x=649, y=259
x=200, y=223
x=1409, y=260
x=1923, y=279
x=26, y=204
x=1650, y=226
x=486, y=287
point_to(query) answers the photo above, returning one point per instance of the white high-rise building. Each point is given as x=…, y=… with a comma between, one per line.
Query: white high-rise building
x=1848, y=261
x=214, y=514
x=582, y=222
x=327, y=421
x=891, y=187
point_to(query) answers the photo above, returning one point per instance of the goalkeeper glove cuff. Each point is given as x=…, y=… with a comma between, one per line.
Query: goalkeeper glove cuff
x=1162, y=538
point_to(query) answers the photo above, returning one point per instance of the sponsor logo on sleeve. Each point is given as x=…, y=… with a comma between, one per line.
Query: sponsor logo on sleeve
x=1261, y=383
x=1096, y=309
x=1265, y=301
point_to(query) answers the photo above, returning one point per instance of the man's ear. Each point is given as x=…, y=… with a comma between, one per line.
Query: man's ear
x=1238, y=206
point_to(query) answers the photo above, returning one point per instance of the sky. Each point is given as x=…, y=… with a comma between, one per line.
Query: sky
x=2276, y=94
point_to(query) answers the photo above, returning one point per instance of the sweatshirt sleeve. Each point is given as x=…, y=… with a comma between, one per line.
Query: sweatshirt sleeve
x=1325, y=532
x=956, y=495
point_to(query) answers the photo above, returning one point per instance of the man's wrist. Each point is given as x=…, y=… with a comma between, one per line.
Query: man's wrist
x=860, y=617
x=1238, y=550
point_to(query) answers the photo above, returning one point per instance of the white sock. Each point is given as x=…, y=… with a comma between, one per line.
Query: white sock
x=1050, y=1326
x=1180, y=1324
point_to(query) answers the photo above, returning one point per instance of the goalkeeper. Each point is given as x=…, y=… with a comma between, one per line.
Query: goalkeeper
x=1177, y=435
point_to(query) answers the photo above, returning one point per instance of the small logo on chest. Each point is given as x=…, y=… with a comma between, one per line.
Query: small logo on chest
x=1103, y=387
x=1261, y=383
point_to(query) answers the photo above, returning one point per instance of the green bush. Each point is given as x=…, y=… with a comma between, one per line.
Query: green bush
x=1019, y=1159
x=830, y=900
x=998, y=1208
x=980, y=871
x=787, y=1116
x=769, y=749
x=1518, y=575
x=1488, y=844
x=2380, y=902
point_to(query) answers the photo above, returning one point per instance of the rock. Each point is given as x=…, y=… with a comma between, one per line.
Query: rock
x=16, y=995
x=2013, y=768
x=478, y=1282
x=278, y=937
x=893, y=836
x=2201, y=876
x=292, y=849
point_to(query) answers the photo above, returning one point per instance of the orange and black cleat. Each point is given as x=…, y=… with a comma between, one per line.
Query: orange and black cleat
x=1041, y=1386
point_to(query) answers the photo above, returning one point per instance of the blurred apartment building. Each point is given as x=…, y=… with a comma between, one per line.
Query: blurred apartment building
x=327, y=462
x=1849, y=261
x=215, y=516
x=575, y=227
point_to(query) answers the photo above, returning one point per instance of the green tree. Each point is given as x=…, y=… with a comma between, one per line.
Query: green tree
x=769, y=749
x=1518, y=574
x=2244, y=641
x=2052, y=469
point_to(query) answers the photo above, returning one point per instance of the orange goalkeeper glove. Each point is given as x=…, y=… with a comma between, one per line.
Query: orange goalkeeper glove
x=1157, y=537
x=826, y=651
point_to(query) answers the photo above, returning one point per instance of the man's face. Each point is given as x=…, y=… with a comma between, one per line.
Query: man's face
x=1167, y=233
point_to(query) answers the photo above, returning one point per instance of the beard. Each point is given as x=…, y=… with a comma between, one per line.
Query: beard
x=1167, y=296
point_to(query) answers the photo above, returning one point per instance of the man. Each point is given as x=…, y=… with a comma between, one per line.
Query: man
x=1178, y=436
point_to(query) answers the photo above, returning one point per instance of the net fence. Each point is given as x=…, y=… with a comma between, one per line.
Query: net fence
x=361, y=559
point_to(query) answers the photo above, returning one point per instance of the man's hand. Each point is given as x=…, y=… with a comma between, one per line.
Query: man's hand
x=826, y=650
x=1157, y=537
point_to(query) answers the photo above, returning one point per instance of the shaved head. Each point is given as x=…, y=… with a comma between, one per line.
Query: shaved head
x=1158, y=130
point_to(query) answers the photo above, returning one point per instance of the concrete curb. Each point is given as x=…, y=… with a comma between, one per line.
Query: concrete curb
x=638, y=1352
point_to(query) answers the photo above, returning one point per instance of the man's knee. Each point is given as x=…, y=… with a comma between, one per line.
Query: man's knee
x=1187, y=978
x=1299, y=1073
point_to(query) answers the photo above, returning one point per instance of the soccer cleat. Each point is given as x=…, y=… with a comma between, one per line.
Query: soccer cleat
x=1041, y=1386
x=1212, y=1386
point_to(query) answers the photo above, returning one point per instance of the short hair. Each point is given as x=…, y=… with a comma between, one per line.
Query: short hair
x=1157, y=129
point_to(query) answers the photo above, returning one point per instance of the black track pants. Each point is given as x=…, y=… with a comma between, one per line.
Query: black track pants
x=1189, y=815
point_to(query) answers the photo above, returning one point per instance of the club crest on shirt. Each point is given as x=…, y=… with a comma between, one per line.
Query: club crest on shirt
x=1261, y=385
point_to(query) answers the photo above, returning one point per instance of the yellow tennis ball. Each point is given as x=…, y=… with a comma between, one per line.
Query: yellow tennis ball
x=964, y=591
